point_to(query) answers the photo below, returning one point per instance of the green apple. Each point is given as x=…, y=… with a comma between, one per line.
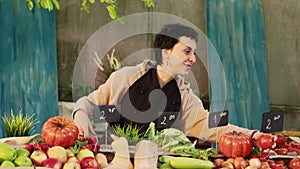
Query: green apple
x=84, y=153
x=7, y=164
x=58, y=152
x=70, y=153
x=7, y=152
x=23, y=161
x=22, y=152
x=71, y=165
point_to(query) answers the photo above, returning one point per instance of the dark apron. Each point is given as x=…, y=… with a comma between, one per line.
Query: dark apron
x=145, y=102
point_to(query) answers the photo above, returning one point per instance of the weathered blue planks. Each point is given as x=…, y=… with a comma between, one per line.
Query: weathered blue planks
x=28, y=80
x=236, y=30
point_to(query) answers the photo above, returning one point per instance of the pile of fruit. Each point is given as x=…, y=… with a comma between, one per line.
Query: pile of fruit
x=240, y=153
x=58, y=148
x=40, y=154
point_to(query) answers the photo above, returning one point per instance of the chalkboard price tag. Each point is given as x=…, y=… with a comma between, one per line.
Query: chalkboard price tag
x=166, y=119
x=106, y=113
x=217, y=119
x=272, y=122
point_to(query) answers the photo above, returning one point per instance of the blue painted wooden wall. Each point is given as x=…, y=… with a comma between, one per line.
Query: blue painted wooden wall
x=28, y=80
x=236, y=30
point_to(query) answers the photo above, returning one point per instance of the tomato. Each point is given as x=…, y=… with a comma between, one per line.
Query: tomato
x=264, y=157
x=279, y=166
x=59, y=131
x=271, y=163
x=288, y=147
x=295, y=144
x=234, y=144
x=280, y=142
x=266, y=141
x=281, y=162
x=295, y=162
x=281, y=151
x=297, y=151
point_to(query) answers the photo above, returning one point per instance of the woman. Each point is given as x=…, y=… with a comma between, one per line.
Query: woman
x=151, y=88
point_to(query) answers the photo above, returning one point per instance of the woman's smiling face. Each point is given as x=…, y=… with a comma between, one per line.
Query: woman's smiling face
x=182, y=56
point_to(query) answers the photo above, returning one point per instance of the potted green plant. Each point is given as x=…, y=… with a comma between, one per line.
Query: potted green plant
x=18, y=125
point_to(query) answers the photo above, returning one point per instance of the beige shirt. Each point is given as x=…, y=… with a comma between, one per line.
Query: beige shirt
x=193, y=120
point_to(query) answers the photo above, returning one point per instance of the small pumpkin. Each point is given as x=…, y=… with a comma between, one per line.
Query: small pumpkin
x=235, y=144
x=59, y=131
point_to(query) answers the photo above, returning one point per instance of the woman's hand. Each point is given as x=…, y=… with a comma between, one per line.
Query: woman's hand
x=84, y=125
x=267, y=139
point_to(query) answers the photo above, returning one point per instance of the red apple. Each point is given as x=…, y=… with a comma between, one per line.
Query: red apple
x=71, y=165
x=89, y=163
x=29, y=147
x=52, y=163
x=40, y=146
x=38, y=157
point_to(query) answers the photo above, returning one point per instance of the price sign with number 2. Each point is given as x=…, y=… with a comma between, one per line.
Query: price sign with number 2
x=167, y=119
x=106, y=113
x=272, y=122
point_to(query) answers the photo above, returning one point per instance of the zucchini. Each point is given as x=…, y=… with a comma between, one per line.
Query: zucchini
x=190, y=163
x=165, y=158
x=166, y=166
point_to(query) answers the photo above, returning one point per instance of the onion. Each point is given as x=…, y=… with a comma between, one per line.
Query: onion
x=265, y=165
x=218, y=162
x=250, y=167
x=228, y=165
x=231, y=160
x=239, y=163
x=255, y=162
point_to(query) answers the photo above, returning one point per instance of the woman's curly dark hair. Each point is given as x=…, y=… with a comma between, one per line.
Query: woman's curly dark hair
x=169, y=36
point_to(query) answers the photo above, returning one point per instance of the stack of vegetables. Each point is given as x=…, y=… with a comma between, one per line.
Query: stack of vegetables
x=59, y=148
x=182, y=152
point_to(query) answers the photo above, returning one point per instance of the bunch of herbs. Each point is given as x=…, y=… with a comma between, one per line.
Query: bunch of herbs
x=131, y=132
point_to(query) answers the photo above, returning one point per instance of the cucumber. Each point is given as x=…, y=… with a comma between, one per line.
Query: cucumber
x=190, y=163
